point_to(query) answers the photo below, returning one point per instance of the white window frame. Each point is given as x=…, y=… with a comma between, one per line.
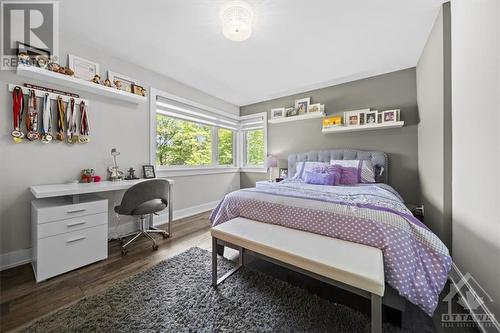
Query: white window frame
x=238, y=142
x=243, y=145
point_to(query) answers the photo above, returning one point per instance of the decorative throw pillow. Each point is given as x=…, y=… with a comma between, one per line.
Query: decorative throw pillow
x=330, y=169
x=318, y=178
x=303, y=167
x=366, y=173
x=349, y=176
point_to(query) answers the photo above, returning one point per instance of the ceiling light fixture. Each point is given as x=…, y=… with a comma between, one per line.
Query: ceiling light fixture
x=236, y=17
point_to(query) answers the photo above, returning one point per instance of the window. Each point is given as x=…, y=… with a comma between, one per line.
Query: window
x=254, y=130
x=225, y=146
x=254, y=140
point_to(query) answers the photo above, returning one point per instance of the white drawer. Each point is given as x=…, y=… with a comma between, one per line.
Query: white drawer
x=69, y=225
x=65, y=252
x=52, y=210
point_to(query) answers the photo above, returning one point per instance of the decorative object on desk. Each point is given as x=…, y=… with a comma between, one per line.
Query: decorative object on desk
x=277, y=180
x=292, y=111
x=371, y=117
x=270, y=163
x=17, y=114
x=283, y=173
x=277, y=113
x=149, y=171
x=390, y=116
x=332, y=121
x=32, y=118
x=82, y=68
x=84, y=124
x=96, y=79
x=32, y=52
x=126, y=82
x=50, y=90
x=131, y=174
x=314, y=108
x=71, y=123
x=114, y=173
x=302, y=105
x=46, y=120
x=87, y=175
x=60, y=119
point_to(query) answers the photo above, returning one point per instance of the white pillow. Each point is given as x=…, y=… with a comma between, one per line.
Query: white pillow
x=303, y=167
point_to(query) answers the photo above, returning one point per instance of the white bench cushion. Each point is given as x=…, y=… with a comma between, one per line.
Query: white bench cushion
x=354, y=264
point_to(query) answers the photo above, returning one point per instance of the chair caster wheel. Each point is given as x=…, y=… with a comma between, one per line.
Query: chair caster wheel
x=124, y=252
x=155, y=247
x=165, y=236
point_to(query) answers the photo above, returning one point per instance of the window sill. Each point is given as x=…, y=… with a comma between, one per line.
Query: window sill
x=253, y=169
x=182, y=172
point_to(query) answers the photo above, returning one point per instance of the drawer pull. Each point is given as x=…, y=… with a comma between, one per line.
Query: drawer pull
x=76, y=211
x=76, y=239
x=75, y=224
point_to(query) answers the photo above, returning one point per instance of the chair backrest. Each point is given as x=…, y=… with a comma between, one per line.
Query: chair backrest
x=143, y=192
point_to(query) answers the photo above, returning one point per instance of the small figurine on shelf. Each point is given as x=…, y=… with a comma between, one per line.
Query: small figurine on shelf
x=118, y=84
x=131, y=174
x=62, y=70
x=53, y=66
x=96, y=79
x=68, y=71
x=42, y=61
x=114, y=173
x=107, y=83
x=23, y=58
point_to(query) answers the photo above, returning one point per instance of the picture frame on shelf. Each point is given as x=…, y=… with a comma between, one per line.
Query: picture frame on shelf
x=314, y=108
x=352, y=118
x=32, y=52
x=126, y=83
x=283, y=173
x=278, y=113
x=292, y=112
x=390, y=116
x=332, y=121
x=301, y=105
x=371, y=117
x=379, y=118
x=148, y=171
x=362, y=116
x=83, y=68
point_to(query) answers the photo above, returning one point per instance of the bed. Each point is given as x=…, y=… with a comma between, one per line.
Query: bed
x=416, y=262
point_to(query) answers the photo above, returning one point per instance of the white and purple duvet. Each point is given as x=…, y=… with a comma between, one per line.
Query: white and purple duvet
x=416, y=261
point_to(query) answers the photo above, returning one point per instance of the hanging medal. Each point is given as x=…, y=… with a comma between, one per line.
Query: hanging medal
x=60, y=119
x=17, y=114
x=32, y=118
x=84, y=124
x=46, y=120
x=71, y=122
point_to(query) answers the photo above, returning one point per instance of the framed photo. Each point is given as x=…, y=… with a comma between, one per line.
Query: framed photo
x=84, y=69
x=362, y=118
x=352, y=118
x=371, y=117
x=32, y=52
x=149, y=171
x=278, y=113
x=125, y=83
x=390, y=116
x=283, y=173
x=379, y=118
x=302, y=105
x=314, y=108
x=290, y=112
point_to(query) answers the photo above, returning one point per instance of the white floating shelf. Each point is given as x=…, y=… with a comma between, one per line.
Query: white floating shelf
x=296, y=118
x=370, y=127
x=79, y=84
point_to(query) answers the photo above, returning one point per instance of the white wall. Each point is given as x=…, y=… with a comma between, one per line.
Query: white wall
x=476, y=141
x=113, y=124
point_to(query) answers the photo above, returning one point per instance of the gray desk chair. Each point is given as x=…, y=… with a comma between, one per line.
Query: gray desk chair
x=144, y=199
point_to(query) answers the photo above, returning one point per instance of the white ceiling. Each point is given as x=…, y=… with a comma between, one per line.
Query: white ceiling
x=296, y=45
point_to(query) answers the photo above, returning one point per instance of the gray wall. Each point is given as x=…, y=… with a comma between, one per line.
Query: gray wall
x=113, y=124
x=382, y=92
x=434, y=128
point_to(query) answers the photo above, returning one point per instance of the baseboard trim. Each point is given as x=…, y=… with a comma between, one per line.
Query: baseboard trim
x=456, y=277
x=21, y=257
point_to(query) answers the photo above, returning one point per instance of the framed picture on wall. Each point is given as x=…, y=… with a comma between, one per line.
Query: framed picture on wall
x=389, y=116
x=83, y=69
x=302, y=105
x=123, y=82
x=353, y=118
x=371, y=117
x=277, y=113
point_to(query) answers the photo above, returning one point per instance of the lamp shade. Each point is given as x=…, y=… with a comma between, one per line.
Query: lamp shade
x=271, y=162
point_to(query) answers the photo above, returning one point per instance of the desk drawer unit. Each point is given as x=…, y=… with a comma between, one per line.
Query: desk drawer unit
x=67, y=236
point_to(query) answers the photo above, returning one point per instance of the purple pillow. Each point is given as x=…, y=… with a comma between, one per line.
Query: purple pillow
x=318, y=178
x=349, y=176
x=330, y=169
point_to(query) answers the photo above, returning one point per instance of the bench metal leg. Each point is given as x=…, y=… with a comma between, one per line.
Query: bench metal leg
x=376, y=313
x=215, y=281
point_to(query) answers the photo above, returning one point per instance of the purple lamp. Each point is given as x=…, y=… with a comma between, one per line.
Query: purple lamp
x=271, y=162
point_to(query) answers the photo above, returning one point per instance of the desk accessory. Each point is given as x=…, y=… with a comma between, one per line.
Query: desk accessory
x=114, y=173
x=131, y=174
x=149, y=171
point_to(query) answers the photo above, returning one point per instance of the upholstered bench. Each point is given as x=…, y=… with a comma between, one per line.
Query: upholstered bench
x=354, y=267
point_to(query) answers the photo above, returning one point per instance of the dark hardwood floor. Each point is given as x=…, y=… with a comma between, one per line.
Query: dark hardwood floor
x=22, y=300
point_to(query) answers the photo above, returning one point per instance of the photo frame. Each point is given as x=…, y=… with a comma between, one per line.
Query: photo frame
x=291, y=112
x=314, y=108
x=390, y=116
x=371, y=117
x=278, y=113
x=127, y=83
x=148, y=171
x=83, y=68
x=32, y=52
x=352, y=118
x=362, y=118
x=283, y=173
x=301, y=105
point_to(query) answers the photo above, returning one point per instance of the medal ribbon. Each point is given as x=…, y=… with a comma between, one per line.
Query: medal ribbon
x=47, y=115
x=32, y=114
x=84, y=121
x=60, y=118
x=17, y=107
x=70, y=119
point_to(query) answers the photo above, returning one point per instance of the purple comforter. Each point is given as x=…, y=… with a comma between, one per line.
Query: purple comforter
x=416, y=262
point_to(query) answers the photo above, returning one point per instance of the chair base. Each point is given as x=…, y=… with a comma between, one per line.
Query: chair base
x=147, y=233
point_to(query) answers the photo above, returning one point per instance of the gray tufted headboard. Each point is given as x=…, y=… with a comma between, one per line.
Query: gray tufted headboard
x=379, y=160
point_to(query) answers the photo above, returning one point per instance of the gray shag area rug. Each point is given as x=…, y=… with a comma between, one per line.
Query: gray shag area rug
x=176, y=296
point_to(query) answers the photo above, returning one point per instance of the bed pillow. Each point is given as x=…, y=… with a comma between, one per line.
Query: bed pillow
x=366, y=173
x=330, y=169
x=349, y=176
x=319, y=178
x=303, y=167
